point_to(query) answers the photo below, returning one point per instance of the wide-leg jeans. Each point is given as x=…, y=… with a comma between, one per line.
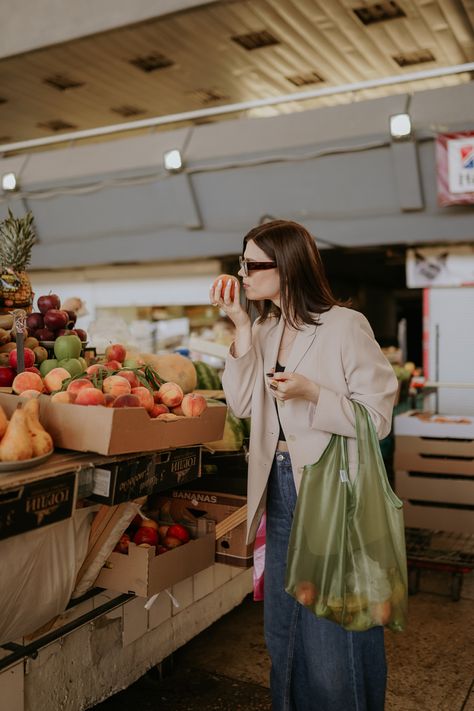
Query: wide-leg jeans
x=316, y=664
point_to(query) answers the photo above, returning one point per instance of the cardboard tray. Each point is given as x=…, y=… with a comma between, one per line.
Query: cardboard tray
x=122, y=430
x=145, y=574
x=419, y=424
x=442, y=455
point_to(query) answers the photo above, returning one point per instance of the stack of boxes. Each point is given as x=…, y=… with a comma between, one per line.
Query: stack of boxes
x=434, y=470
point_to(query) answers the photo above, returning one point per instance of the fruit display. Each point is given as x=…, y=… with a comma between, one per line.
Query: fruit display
x=146, y=532
x=50, y=321
x=17, y=237
x=23, y=437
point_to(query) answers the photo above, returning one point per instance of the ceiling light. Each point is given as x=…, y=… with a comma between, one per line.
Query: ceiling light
x=9, y=181
x=400, y=126
x=173, y=161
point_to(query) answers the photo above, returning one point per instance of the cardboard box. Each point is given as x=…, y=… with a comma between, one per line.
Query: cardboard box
x=130, y=479
x=442, y=488
x=188, y=505
x=438, y=518
x=122, y=430
x=434, y=454
x=422, y=424
x=35, y=504
x=144, y=573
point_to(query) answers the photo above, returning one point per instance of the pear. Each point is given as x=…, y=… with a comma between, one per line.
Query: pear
x=41, y=440
x=16, y=444
x=3, y=422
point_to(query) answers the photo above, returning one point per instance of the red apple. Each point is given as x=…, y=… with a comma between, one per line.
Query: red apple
x=161, y=549
x=66, y=332
x=71, y=315
x=179, y=532
x=81, y=334
x=145, y=534
x=34, y=321
x=171, y=542
x=55, y=319
x=29, y=358
x=148, y=522
x=115, y=352
x=45, y=334
x=49, y=301
x=32, y=369
x=7, y=376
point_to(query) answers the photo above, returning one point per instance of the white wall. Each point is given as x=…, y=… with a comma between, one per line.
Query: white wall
x=30, y=24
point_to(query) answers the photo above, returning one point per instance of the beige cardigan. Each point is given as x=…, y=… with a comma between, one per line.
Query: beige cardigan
x=342, y=356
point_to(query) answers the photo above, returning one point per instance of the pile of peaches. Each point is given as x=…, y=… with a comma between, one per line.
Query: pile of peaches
x=109, y=384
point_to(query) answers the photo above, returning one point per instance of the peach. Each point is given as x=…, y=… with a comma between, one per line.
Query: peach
x=225, y=278
x=156, y=396
x=169, y=417
x=64, y=397
x=113, y=365
x=28, y=381
x=171, y=394
x=193, y=405
x=109, y=400
x=127, y=401
x=30, y=394
x=90, y=396
x=178, y=410
x=131, y=377
x=96, y=368
x=145, y=397
x=76, y=385
x=157, y=409
x=54, y=379
x=115, y=385
x=115, y=352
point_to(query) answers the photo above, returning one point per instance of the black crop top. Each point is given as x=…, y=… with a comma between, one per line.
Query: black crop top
x=279, y=368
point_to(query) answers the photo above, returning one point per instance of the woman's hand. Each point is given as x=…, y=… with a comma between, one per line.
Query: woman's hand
x=287, y=386
x=232, y=307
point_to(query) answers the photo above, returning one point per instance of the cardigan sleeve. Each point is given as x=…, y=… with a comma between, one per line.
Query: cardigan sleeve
x=239, y=377
x=370, y=380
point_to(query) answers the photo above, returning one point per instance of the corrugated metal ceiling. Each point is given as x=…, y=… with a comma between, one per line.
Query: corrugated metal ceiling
x=195, y=59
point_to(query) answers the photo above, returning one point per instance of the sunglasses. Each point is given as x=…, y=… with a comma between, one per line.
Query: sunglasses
x=249, y=266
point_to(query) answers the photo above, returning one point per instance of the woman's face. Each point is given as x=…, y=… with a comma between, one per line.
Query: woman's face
x=260, y=284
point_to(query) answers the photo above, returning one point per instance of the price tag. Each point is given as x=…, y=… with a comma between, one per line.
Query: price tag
x=19, y=326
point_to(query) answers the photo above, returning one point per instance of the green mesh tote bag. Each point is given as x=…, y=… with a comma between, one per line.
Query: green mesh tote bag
x=347, y=556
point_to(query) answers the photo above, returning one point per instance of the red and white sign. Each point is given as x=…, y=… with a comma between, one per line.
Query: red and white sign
x=455, y=168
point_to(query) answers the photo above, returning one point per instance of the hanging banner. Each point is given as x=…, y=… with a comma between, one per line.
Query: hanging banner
x=455, y=168
x=440, y=266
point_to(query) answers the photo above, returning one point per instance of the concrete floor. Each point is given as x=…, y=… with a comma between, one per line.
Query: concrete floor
x=226, y=668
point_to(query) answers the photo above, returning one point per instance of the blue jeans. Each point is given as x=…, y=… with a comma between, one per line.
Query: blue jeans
x=316, y=664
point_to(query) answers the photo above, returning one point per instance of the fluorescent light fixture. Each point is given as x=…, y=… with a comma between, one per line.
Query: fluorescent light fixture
x=173, y=160
x=400, y=126
x=9, y=181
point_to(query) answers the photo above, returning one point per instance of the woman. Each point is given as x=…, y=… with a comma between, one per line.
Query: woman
x=295, y=372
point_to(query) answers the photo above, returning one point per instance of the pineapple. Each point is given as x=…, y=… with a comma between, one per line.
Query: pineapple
x=17, y=237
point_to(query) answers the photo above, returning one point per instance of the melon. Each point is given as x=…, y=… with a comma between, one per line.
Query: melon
x=207, y=376
x=174, y=368
x=233, y=438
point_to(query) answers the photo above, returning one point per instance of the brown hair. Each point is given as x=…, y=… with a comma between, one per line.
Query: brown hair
x=304, y=288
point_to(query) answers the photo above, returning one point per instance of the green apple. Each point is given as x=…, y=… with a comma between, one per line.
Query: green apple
x=130, y=363
x=72, y=365
x=66, y=347
x=83, y=362
x=48, y=365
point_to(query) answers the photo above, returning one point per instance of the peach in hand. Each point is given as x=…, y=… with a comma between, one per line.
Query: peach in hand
x=116, y=385
x=225, y=278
